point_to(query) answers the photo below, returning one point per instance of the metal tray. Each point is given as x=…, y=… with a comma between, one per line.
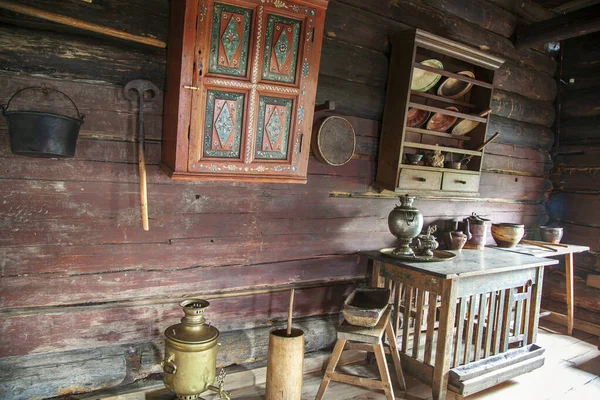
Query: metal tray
x=438, y=255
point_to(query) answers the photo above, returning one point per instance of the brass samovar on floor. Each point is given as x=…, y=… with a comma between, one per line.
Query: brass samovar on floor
x=191, y=354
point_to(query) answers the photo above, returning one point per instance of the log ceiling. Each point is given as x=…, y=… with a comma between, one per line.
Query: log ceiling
x=566, y=26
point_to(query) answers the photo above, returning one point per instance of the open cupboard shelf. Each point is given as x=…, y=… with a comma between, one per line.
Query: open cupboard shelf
x=463, y=138
x=447, y=100
x=426, y=168
x=449, y=74
x=447, y=112
x=456, y=150
x=471, y=107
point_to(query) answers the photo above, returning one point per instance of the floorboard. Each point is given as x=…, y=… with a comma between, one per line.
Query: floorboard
x=570, y=372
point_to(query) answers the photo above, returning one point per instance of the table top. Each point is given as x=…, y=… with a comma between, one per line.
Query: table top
x=537, y=251
x=468, y=262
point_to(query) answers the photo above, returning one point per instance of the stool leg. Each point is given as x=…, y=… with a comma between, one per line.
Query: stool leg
x=333, y=360
x=394, y=350
x=383, y=370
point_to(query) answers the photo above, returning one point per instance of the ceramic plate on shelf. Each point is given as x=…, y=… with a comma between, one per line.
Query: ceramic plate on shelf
x=466, y=125
x=423, y=80
x=416, y=117
x=453, y=88
x=441, y=122
x=438, y=255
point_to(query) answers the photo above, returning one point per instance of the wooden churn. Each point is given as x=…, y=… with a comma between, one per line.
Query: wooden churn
x=285, y=361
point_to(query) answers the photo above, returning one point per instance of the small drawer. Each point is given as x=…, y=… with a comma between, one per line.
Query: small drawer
x=419, y=179
x=460, y=182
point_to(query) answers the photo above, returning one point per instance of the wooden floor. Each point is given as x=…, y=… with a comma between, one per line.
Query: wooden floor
x=570, y=372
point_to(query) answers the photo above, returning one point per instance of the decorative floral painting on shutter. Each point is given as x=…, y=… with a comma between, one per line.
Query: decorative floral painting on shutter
x=223, y=125
x=230, y=40
x=274, y=117
x=282, y=37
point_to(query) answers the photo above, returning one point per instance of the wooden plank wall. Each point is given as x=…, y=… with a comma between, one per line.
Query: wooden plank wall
x=84, y=287
x=575, y=201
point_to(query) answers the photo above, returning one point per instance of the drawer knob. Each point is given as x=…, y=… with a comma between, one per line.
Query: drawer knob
x=422, y=179
x=463, y=182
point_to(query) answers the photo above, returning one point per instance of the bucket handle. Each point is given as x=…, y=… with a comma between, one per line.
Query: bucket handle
x=44, y=89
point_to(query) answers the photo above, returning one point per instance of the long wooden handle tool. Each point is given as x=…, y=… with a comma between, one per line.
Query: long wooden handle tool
x=146, y=92
x=289, y=321
x=531, y=242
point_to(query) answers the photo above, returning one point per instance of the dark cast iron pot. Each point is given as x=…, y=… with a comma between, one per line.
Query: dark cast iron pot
x=42, y=134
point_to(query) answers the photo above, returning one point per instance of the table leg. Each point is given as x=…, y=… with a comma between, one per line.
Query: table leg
x=377, y=281
x=569, y=283
x=534, y=311
x=375, y=273
x=443, y=354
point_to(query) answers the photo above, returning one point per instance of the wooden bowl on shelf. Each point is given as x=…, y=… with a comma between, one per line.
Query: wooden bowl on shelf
x=441, y=122
x=416, y=117
x=453, y=88
x=507, y=235
x=423, y=80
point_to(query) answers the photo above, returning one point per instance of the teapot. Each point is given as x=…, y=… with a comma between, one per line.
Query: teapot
x=456, y=225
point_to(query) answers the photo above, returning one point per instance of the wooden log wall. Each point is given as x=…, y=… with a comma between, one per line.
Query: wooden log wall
x=575, y=200
x=85, y=287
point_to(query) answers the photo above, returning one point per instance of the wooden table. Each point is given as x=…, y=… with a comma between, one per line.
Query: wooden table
x=563, y=249
x=497, y=297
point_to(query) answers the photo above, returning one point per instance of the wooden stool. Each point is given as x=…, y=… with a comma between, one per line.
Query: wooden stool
x=370, y=339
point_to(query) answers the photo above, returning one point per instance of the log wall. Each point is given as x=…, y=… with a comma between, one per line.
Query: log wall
x=575, y=201
x=84, y=287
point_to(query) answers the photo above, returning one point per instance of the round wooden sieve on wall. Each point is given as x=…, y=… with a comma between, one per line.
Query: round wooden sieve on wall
x=334, y=141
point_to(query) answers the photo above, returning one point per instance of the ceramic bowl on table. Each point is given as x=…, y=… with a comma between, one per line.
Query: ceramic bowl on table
x=551, y=234
x=441, y=122
x=507, y=235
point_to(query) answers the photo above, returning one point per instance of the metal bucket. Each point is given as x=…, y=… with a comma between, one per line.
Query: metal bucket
x=479, y=236
x=41, y=134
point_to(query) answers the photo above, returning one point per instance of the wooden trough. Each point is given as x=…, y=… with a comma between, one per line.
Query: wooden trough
x=479, y=375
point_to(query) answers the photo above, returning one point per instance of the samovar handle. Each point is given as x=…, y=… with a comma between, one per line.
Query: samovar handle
x=169, y=365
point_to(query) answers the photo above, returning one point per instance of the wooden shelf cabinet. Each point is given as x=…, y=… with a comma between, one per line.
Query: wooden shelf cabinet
x=409, y=48
x=241, y=87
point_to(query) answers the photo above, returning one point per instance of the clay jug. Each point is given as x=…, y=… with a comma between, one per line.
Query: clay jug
x=455, y=240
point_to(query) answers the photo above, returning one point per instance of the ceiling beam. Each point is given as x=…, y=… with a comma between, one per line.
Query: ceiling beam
x=574, y=5
x=528, y=10
x=576, y=23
